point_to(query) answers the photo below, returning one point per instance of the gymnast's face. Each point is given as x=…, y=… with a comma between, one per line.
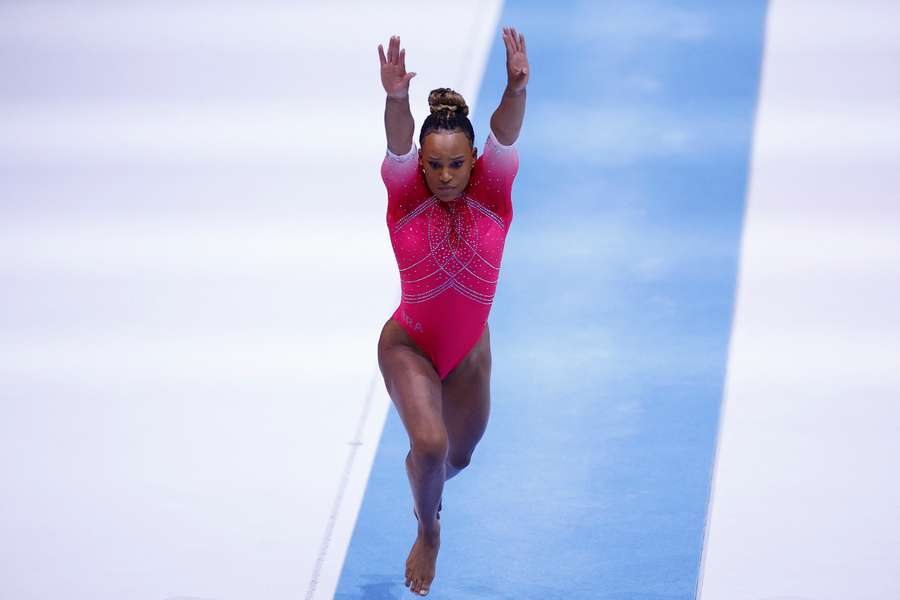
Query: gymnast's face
x=447, y=159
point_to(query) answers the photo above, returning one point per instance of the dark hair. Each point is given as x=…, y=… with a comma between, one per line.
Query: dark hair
x=448, y=113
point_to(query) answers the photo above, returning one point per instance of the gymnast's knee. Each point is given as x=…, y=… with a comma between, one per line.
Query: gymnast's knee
x=459, y=462
x=429, y=450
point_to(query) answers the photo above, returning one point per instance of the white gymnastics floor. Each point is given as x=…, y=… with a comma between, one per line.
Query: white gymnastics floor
x=805, y=499
x=195, y=274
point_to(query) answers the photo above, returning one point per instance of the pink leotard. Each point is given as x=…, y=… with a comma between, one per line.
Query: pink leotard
x=448, y=253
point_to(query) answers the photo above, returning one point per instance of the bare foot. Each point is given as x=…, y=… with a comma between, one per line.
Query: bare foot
x=422, y=558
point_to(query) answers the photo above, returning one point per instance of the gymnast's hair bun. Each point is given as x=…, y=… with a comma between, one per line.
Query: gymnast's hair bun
x=445, y=99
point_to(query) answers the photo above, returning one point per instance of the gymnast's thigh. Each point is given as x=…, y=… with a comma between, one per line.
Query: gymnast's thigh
x=466, y=401
x=413, y=385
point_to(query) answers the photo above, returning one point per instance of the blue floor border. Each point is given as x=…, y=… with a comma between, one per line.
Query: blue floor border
x=611, y=322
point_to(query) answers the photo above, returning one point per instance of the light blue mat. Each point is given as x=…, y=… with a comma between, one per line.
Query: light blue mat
x=611, y=321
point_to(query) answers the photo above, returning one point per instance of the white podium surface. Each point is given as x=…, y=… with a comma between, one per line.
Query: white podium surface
x=195, y=270
x=805, y=498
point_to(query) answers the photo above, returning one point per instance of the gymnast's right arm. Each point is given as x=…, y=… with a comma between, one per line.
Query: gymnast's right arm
x=398, y=120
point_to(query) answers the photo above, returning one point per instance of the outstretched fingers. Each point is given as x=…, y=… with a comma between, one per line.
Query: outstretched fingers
x=394, y=77
x=390, y=52
x=507, y=41
x=395, y=56
x=514, y=41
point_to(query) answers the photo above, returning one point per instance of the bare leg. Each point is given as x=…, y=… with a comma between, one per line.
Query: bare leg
x=451, y=471
x=426, y=478
x=415, y=389
x=466, y=404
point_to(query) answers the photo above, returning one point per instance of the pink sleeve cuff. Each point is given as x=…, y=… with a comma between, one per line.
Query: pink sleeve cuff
x=404, y=157
x=493, y=139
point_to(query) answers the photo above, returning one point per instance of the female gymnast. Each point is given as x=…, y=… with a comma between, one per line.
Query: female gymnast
x=448, y=214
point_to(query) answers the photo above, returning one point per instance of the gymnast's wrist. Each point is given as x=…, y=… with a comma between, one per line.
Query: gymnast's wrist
x=402, y=98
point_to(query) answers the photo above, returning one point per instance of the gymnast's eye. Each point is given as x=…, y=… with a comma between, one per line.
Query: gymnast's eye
x=435, y=165
x=456, y=164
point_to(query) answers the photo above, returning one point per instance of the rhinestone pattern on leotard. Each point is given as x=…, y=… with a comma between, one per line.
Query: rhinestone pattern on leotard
x=455, y=257
x=448, y=253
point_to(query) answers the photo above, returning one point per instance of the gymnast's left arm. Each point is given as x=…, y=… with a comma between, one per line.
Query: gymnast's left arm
x=506, y=122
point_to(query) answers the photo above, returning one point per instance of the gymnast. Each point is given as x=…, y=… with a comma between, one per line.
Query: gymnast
x=448, y=213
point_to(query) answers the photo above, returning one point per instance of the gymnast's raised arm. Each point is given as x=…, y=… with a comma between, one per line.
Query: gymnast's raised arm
x=398, y=120
x=506, y=122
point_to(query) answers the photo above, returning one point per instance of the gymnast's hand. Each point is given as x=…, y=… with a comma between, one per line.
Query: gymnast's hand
x=394, y=77
x=516, y=60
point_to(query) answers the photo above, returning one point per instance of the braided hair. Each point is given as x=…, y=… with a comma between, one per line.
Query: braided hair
x=448, y=113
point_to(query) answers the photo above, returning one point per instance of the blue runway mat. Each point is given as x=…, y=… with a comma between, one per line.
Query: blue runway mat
x=611, y=322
